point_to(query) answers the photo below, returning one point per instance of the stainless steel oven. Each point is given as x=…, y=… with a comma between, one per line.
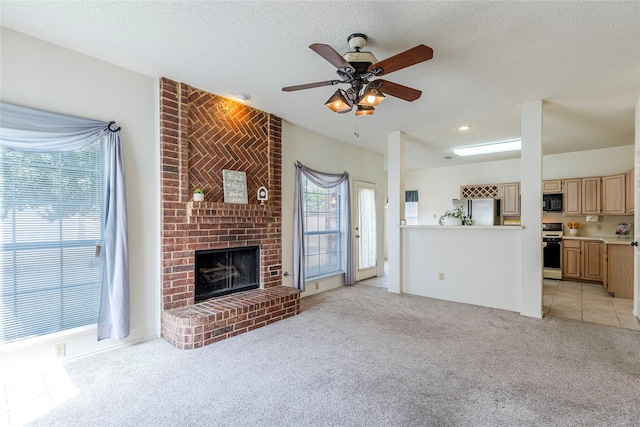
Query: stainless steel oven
x=552, y=250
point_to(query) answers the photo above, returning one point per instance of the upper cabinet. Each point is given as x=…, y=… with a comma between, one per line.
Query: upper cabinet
x=591, y=196
x=607, y=195
x=629, y=199
x=572, y=203
x=614, y=194
x=552, y=186
x=510, y=195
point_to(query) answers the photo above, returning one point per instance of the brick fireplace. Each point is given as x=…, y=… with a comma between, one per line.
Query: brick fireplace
x=201, y=134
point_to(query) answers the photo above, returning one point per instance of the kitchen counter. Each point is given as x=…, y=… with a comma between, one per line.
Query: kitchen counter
x=465, y=227
x=609, y=240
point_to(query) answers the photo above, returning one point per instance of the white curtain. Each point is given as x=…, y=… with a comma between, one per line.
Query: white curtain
x=322, y=180
x=367, y=255
x=34, y=130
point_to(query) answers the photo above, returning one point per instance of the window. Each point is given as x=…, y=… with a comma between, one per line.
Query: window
x=323, y=236
x=411, y=207
x=51, y=220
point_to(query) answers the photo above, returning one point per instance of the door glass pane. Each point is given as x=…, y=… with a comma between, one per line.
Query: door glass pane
x=367, y=228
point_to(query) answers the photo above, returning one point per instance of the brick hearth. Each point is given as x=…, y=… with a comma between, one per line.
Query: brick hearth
x=213, y=320
x=202, y=134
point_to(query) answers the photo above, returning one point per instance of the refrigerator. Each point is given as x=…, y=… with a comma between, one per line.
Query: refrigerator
x=483, y=211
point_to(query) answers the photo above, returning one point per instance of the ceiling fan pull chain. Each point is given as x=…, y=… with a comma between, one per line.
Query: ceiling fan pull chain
x=355, y=126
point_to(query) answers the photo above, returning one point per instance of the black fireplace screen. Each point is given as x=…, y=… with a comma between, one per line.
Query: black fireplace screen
x=225, y=271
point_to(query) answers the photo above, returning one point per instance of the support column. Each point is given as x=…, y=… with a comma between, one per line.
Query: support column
x=531, y=209
x=395, y=211
x=636, y=225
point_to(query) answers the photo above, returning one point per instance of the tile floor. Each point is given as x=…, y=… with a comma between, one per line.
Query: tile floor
x=587, y=302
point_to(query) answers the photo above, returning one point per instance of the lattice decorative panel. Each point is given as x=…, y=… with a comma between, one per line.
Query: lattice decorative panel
x=226, y=135
x=480, y=191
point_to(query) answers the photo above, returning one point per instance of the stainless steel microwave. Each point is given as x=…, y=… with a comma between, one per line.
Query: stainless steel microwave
x=552, y=202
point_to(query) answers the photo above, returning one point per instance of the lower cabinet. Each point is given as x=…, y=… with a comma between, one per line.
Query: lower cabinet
x=592, y=260
x=620, y=271
x=582, y=259
x=571, y=259
x=605, y=267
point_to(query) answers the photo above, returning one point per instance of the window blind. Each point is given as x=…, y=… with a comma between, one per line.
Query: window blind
x=323, y=234
x=51, y=220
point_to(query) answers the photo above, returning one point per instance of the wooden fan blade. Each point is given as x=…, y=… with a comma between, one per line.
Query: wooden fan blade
x=311, y=85
x=399, y=91
x=329, y=53
x=402, y=60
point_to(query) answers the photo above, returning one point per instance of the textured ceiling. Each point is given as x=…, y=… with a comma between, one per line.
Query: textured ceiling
x=582, y=58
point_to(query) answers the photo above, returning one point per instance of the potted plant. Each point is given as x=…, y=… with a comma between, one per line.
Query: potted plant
x=198, y=195
x=453, y=217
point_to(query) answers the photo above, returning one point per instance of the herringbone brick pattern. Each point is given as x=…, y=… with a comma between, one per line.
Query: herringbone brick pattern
x=202, y=134
x=226, y=135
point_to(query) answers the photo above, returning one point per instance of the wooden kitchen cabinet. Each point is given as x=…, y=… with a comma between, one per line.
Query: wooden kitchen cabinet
x=480, y=191
x=582, y=260
x=552, y=186
x=572, y=202
x=510, y=195
x=592, y=260
x=605, y=267
x=614, y=194
x=571, y=259
x=620, y=271
x=591, y=195
x=629, y=199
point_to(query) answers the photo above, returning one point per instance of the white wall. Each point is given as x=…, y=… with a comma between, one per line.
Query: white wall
x=480, y=265
x=40, y=75
x=331, y=156
x=437, y=186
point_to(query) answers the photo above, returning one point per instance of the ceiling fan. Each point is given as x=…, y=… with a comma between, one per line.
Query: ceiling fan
x=356, y=68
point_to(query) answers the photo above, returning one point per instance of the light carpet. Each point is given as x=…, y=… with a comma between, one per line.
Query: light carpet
x=361, y=356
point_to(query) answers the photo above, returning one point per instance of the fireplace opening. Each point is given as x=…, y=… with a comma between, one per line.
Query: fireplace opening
x=226, y=271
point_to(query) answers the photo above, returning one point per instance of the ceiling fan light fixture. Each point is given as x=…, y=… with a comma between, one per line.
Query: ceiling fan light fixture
x=338, y=103
x=371, y=97
x=364, y=110
x=494, y=147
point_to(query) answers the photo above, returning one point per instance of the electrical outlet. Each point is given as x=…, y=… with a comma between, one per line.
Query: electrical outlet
x=60, y=350
x=317, y=285
x=441, y=276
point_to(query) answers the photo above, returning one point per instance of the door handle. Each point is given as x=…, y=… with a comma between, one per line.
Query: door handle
x=357, y=236
x=634, y=244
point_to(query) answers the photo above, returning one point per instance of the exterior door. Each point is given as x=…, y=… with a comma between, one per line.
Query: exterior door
x=366, y=250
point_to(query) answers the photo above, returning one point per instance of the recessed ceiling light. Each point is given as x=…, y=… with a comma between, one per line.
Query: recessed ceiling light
x=494, y=147
x=465, y=127
x=242, y=97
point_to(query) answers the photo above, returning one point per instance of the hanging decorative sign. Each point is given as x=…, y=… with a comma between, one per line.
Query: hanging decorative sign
x=235, y=186
x=263, y=193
